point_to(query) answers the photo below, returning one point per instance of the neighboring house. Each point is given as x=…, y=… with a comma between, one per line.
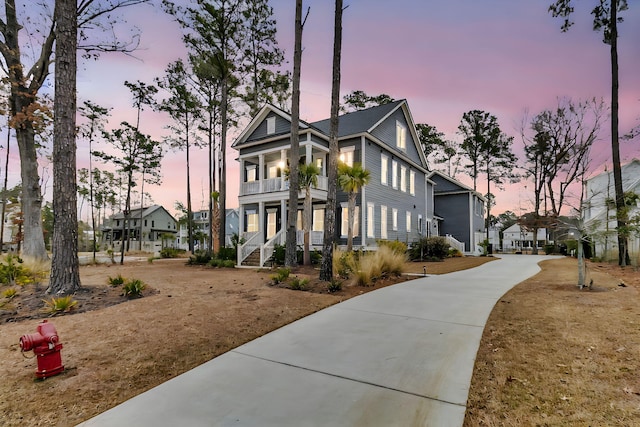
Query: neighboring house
x=156, y=223
x=202, y=225
x=517, y=239
x=10, y=228
x=396, y=204
x=600, y=217
x=460, y=212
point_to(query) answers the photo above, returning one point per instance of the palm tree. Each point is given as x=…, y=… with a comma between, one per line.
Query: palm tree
x=307, y=178
x=351, y=180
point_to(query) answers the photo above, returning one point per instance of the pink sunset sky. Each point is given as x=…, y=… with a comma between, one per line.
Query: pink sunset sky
x=505, y=57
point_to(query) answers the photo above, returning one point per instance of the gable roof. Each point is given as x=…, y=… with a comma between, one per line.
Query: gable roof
x=461, y=186
x=135, y=212
x=259, y=118
x=359, y=121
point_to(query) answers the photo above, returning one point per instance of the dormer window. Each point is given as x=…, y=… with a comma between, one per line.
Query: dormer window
x=401, y=136
x=271, y=125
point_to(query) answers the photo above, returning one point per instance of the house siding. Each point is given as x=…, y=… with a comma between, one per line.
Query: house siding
x=380, y=194
x=454, y=208
x=386, y=131
x=282, y=126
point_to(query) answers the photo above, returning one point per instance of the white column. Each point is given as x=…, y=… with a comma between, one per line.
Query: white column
x=260, y=174
x=283, y=214
x=240, y=228
x=308, y=152
x=283, y=163
x=242, y=176
x=261, y=221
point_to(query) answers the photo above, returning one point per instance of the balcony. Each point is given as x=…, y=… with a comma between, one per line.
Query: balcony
x=273, y=185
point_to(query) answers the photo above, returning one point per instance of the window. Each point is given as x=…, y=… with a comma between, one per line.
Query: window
x=383, y=222
x=273, y=170
x=117, y=223
x=394, y=174
x=252, y=222
x=319, y=161
x=318, y=220
x=384, y=170
x=346, y=155
x=394, y=219
x=403, y=179
x=401, y=136
x=271, y=125
x=408, y=222
x=420, y=224
x=345, y=221
x=370, y=220
x=412, y=183
x=153, y=223
x=251, y=173
x=145, y=222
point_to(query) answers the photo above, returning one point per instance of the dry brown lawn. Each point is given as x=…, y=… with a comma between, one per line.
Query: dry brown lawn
x=115, y=349
x=551, y=354
x=554, y=355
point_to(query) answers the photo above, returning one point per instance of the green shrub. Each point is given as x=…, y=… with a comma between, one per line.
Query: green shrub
x=549, y=249
x=171, y=252
x=11, y=269
x=59, y=305
x=228, y=263
x=116, y=281
x=281, y=275
x=454, y=253
x=133, y=288
x=279, y=252
x=298, y=284
x=199, y=257
x=227, y=254
x=334, y=286
x=429, y=248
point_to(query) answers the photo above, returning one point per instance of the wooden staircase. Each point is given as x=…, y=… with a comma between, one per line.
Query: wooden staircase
x=253, y=260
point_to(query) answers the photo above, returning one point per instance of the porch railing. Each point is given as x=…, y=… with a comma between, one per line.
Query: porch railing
x=272, y=185
x=454, y=243
x=316, y=238
x=251, y=244
x=268, y=248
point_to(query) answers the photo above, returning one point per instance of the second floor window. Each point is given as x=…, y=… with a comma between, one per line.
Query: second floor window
x=346, y=155
x=412, y=183
x=394, y=174
x=403, y=179
x=384, y=170
x=401, y=136
x=271, y=125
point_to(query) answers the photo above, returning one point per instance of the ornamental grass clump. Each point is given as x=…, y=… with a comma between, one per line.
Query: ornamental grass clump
x=133, y=288
x=298, y=284
x=116, y=281
x=281, y=275
x=57, y=305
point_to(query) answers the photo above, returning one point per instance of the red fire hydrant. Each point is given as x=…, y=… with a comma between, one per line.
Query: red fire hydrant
x=46, y=347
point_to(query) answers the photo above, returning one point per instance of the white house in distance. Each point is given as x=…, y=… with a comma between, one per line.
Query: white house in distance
x=600, y=217
x=516, y=239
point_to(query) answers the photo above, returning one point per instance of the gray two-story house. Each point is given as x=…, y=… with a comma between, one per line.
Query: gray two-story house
x=147, y=229
x=396, y=204
x=459, y=213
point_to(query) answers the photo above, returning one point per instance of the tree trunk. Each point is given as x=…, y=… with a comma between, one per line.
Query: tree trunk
x=4, y=190
x=65, y=276
x=189, y=210
x=222, y=227
x=352, y=214
x=326, y=270
x=623, y=256
x=294, y=152
x=307, y=225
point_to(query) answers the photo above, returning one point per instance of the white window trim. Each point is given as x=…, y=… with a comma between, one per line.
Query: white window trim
x=371, y=227
x=403, y=179
x=394, y=174
x=344, y=221
x=394, y=219
x=384, y=169
x=408, y=221
x=412, y=182
x=383, y=222
x=401, y=136
x=271, y=125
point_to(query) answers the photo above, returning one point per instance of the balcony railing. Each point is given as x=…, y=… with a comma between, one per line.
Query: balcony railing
x=272, y=185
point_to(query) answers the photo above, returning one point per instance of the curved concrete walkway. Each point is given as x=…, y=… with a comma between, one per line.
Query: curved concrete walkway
x=399, y=356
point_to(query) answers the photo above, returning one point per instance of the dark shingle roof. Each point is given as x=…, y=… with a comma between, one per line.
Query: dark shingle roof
x=358, y=121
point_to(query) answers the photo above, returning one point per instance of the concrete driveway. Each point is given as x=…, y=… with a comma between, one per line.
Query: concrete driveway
x=399, y=356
